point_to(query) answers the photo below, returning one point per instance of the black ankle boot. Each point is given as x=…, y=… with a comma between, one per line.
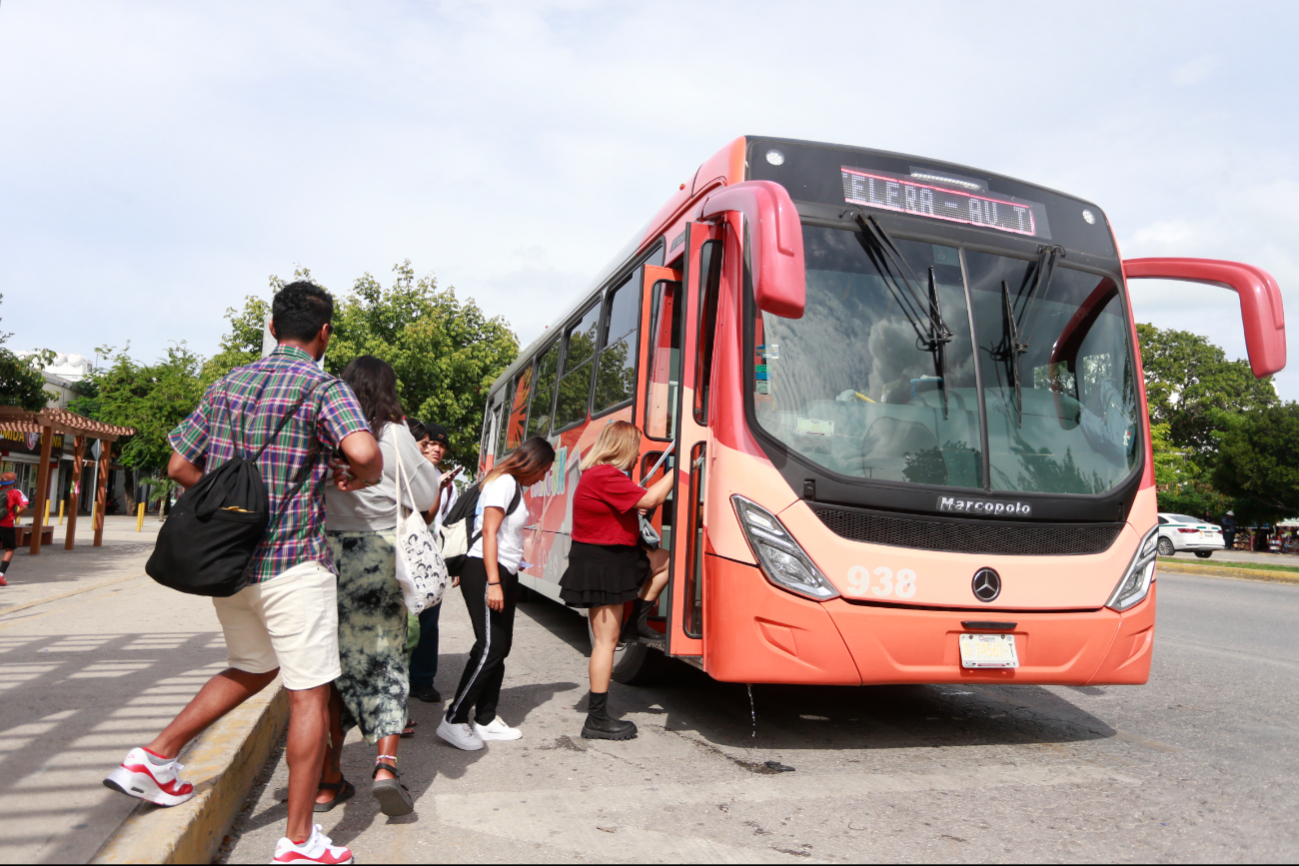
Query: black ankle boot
x=598, y=724
x=642, y=612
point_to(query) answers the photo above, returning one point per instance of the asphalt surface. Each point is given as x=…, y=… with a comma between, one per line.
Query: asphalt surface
x=94, y=659
x=1198, y=765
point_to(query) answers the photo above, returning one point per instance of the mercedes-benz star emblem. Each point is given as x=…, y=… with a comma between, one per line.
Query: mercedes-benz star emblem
x=986, y=585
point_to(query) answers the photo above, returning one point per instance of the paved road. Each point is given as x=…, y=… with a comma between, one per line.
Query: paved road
x=1288, y=560
x=94, y=658
x=1200, y=765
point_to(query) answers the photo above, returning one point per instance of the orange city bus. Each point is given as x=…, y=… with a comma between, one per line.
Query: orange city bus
x=906, y=414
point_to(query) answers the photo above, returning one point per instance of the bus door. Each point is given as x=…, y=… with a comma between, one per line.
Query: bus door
x=673, y=412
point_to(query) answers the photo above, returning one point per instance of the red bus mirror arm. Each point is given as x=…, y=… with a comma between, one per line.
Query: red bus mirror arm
x=1260, y=301
x=775, y=242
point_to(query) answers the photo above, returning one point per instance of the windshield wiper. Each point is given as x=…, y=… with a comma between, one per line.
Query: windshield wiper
x=1045, y=270
x=1010, y=349
x=932, y=333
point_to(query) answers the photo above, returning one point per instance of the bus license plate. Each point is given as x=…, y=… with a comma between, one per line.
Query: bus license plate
x=988, y=651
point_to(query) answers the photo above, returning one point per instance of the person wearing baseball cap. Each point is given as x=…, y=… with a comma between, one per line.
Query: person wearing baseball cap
x=434, y=445
x=14, y=502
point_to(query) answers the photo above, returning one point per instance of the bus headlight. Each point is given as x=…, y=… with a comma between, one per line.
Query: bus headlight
x=783, y=561
x=1135, y=585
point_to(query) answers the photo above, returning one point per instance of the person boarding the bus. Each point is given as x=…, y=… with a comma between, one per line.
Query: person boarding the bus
x=285, y=621
x=372, y=619
x=607, y=564
x=489, y=583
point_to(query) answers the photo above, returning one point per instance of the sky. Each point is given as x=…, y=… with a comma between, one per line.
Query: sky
x=160, y=160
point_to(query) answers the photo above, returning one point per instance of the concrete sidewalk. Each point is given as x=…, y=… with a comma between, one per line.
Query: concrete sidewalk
x=96, y=658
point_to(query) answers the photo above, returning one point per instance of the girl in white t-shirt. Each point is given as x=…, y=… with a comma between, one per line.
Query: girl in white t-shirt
x=489, y=583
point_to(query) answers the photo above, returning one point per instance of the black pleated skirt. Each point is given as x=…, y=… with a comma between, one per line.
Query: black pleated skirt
x=600, y=574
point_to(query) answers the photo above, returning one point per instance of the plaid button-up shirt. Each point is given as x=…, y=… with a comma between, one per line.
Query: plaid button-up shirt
x=250, y=403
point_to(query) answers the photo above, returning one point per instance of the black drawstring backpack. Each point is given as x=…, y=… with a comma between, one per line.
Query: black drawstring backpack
x=206, y=546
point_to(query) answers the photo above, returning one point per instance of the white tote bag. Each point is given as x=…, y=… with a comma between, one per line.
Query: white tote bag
x=420, y=569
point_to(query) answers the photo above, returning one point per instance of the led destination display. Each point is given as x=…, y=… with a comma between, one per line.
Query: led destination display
x=931, y=196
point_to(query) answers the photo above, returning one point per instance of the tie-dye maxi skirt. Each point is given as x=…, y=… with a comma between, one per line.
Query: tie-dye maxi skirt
x=371, y=634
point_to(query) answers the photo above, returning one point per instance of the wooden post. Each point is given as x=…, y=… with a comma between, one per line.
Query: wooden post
x=42, y=489
x=79, y=447
x=101, y=495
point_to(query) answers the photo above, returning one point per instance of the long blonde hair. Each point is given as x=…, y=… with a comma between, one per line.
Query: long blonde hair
x=618, y=445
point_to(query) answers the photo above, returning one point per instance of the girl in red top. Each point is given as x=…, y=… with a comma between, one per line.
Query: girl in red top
x=607, y=566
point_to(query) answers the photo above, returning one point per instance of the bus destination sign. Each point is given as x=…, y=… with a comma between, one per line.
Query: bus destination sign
x=945, y=198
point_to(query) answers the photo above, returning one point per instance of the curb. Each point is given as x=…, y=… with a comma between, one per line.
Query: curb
x=1229, y=572
x=223, y=763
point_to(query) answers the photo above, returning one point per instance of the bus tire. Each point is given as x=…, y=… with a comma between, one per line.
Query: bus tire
x=634, y=663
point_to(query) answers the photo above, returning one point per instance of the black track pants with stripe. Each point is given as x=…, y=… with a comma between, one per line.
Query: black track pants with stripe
x=480, y=684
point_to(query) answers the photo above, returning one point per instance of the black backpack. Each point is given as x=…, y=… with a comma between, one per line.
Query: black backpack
x=458, y=537
x=206, y=546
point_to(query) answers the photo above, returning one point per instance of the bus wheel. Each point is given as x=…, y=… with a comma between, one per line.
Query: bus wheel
x=634, y=663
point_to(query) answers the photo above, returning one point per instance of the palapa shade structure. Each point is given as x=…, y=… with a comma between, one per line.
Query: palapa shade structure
x=47, y=422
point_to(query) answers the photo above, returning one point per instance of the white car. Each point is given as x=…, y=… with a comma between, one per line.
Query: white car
x=1179, y=532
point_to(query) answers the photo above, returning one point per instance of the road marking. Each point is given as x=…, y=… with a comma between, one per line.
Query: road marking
x=568, y=819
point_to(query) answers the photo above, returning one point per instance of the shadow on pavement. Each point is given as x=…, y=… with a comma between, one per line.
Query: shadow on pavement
x=839, y=717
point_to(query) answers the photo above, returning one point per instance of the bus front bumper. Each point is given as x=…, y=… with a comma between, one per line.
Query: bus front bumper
x=756, y=633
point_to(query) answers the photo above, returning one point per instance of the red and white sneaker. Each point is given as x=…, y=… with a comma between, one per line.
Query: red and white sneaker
x=156, y=783
x=317, y=849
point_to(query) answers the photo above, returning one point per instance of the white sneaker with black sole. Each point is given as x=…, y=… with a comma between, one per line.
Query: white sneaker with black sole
x=460, y=735
x=496, y=729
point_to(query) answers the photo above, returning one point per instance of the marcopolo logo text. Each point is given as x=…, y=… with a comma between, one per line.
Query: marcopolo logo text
x=985, y=508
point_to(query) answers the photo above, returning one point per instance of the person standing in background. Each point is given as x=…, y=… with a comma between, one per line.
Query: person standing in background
x=424, y=658
x=1229, y=530
x=14, y=503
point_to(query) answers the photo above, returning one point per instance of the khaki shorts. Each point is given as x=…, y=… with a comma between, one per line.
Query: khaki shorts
x=289, y=622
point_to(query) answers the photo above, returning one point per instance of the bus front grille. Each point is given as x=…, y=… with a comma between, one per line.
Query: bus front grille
x=968, y=536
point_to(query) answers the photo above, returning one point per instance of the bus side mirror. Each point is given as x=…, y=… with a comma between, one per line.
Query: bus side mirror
x=775, y=240
x=1260, y=301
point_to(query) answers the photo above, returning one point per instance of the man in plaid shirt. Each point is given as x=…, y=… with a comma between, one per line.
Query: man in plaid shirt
x=286, y=621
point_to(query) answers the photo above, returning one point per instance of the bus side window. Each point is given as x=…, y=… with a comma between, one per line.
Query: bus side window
x=710, y=276
x=516, y=430
x=575, y=381
x=491, y=419
x=664, y=362
x=615, y=378
x=539, y=417
x=502, y=423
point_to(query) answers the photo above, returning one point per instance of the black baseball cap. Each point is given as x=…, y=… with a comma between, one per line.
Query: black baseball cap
x=437, y=433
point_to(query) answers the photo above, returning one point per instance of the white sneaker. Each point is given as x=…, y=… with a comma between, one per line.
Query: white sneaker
x=318, y=849
x=461, y=736
x=496, y=729
x=157, y=783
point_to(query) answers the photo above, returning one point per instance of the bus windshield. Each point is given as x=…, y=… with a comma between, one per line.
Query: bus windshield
x=883, y=376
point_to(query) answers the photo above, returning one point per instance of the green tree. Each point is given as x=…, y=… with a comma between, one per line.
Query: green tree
x=1189, y=382
x=1258, y=462
x=445, y=351
x=1181, y=485
x=152, y=398
x=21, y=382
x=243, y=343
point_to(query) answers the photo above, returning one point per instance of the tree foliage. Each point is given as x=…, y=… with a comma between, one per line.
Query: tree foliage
x=1181, y=485
x=445, y=351
x=21, y=382
x=152, y=398
x=1258, y=462
x=1190, y=384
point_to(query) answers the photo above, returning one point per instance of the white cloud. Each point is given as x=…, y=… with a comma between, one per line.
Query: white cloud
x=159, y=160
